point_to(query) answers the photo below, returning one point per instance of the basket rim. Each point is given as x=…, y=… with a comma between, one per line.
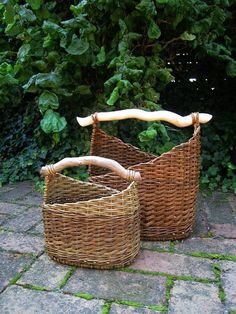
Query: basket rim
x=195, y=133
x=116, y=193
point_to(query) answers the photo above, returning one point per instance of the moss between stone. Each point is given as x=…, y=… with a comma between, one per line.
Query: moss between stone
x=67, y=277
x=106, y=308
x=129, y=303
x=197, y=254
x=7, y=229
x=85, y=296
x=169, y=286
x=160, y=308
x=217, y=271
x=33, y=287
x=213, y=256
x=17, y=276
x=173, y=277
x=172, y=246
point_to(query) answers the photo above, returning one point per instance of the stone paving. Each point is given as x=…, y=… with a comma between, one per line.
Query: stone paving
x=197, y=275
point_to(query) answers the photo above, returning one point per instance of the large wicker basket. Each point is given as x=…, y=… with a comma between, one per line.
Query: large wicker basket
x=87, y=224
x=169, y=186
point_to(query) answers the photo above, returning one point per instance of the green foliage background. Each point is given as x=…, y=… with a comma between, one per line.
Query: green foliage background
x=62, y=59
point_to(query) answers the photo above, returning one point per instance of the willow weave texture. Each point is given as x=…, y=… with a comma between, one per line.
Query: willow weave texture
x=169, y=185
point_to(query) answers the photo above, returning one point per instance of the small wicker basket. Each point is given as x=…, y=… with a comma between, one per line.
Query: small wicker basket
x=87, y=224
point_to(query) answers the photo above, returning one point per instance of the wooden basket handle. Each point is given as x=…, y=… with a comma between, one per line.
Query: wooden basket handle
x=161, y=115
x=113, y=165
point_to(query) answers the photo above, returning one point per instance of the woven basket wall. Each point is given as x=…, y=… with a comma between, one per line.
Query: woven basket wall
x=169, y=185
x=90, y=225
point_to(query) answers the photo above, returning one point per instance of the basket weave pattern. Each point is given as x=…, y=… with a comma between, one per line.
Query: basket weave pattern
x=90, y=225
x=169, y=185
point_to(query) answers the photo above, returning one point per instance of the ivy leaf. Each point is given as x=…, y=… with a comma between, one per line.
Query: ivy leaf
x=47, y=80
x=40, y=65
x=77, y=46
x=154, y=31
x=123, y=27
x=152, y=106
x=162, y=130
x=101, y=56
x=231, y=69
x=147, y=7
x=164, y=75
x=151, y=94
x=52, y=28
x=35, y=4
x=53, y=57
x=124, y=86
x=8, y=80
x=23, y=52
x=177, y=19
x=52, y=122
x=112, y=80
x=79, y=8
x=9, y=13
x=113, y=97
x=26, y=14
x=48, y=100
x=44, y=80
x=84, y=90
x=6, y=68
x=162, y=1
x=202, y=26
x=147, y=135
x=14, y=28
x=187, y=36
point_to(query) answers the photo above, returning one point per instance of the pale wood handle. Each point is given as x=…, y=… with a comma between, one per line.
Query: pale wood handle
x=113, y=165
x=161, y=115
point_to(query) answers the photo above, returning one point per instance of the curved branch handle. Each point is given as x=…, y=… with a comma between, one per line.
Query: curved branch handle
x=161, y=115
x=113, y=165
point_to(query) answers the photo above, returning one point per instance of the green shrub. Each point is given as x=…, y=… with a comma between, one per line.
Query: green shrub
x=62, y=59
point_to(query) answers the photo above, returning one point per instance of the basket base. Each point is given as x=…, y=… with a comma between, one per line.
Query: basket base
x=94, y=265
x=162, y=234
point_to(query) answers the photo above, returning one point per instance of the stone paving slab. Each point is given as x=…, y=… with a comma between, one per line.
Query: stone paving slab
x=201, y=227
x=194, y=298
x=116, y=285
x=10, y=265
x=19, y=242
x=232, y=201
x=11, y=209
x=153, y=245
x=17, y=190
x=219, y=209
x=39, y=228
x=17, y=300
x=45, y=273
x=34, y=198
x=3, y=218
x=174, y=264
x=229, y=281
x=123, y=309
x=24, y=221
x=218, y=246
x=224, y=230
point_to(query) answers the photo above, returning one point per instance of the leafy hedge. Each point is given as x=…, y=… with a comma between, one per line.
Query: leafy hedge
x=59, y=59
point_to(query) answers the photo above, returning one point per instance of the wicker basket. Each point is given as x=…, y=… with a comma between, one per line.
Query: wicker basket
x=169, y=186
x=87, y=224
